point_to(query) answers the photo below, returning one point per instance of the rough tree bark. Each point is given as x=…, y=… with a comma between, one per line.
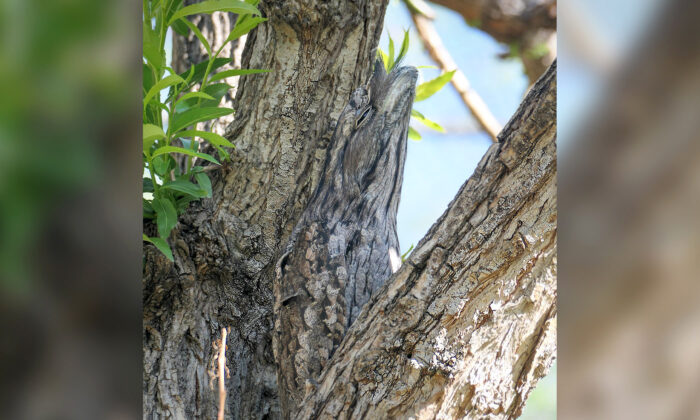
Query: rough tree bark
x=345, y=245
x=501, y=251
x=468, y=324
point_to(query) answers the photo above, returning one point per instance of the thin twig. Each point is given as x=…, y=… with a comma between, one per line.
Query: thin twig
x=442, y=57
x=222, y=369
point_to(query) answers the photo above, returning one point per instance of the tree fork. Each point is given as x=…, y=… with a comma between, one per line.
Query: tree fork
x=468, y=325
x=226, y=247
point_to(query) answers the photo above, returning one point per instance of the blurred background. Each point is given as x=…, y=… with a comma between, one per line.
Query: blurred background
x=629, y=177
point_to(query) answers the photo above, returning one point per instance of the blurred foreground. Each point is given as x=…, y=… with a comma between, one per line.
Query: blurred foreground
x=629, y=207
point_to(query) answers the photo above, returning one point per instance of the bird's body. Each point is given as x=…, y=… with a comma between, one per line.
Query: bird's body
x=345, y=244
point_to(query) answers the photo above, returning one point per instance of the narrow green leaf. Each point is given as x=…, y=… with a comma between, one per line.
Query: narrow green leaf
x=404, y=47
x=428, y=89
x=166, y=216
x=223, y=154
x=415, y=113
x=196, y=115
x=235, y=72
x=427, y=67
x=194, y=95
x=391, y=53
x=151, y=47
x=173, y=7
x=215, y=90
x=197, y=33
x=245, y=24
x=201, y=68
x=161, y=245
x=149, y=78
x=405, y=254
x=175, y=149
x=413, y=134
x=428, y=123
x=385, y=59
x=204, y=182
x=235, y=6
x=180, y=27
x=151, y=133
x=171, y=80
x=185, y=187
x=212, y=138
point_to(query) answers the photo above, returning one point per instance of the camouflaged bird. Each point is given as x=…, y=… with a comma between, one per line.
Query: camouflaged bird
x=345, y=245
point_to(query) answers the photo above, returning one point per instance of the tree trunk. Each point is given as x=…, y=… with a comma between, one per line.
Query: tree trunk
x=493, y=251
x=225, y=247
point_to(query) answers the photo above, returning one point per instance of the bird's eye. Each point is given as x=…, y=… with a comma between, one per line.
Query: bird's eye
x=363, y=117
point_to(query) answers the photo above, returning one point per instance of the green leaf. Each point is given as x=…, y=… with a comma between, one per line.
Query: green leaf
x=413, y=134
x=216, y=91
x=148, y=77
x=194, y=95
x=404, y=47
x=180, y=27
x=235, y=6
x=161, y=164
x=184, y=201
x=151, y=133
x=197, y=33
x=201, y=68
x=212, y=138
x=385, y=59
x=185, y=187
x=428, y=89
x=151, y=48
x=161, y=245
x=223, y=155
x=204, y=182
x=405, y=254
x=235, y=72
x=427, y=67
x=428, y=123
x=245, y=24
x=147, y=185
x=174, y=149
x=148, y=212
x=391, y=53
x=166, y=216
x=171, y=80
x=195, y=115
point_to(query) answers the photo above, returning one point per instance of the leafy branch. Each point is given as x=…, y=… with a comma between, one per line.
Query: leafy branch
x=167, y=188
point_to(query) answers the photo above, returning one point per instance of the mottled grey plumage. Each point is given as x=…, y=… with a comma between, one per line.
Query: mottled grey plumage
x=345, y=244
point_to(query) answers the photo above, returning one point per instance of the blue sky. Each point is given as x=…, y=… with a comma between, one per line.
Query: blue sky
x=440, y=163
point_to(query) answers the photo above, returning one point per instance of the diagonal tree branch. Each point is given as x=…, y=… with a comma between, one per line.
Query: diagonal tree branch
x=468, y=325
x=442, y=57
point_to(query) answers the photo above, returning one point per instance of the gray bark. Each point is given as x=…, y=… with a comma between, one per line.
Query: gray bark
x=226, y=248
x=467, y=326
x=345, y=245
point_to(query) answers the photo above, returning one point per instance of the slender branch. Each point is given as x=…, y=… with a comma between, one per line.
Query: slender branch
x=442, y=57
x=222, y=373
